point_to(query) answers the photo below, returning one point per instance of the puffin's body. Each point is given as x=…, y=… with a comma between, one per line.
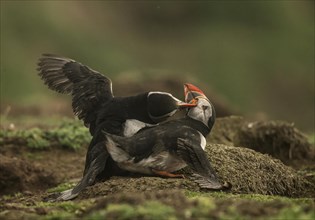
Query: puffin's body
x=124, y=116
x=94, y=103
x=171, y=146
x=159, y=148
x=164, y=148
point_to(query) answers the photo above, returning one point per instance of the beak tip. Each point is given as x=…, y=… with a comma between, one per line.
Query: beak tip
x=191, y=92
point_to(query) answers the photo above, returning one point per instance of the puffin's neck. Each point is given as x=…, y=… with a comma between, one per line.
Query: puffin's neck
x=138, y=106
x=198, y=125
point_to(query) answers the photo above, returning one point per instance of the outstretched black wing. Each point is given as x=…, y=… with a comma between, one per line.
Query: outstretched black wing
x=89, y=88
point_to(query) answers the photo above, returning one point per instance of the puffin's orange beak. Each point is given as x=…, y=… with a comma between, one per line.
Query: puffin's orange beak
x=191, y=104
x=192, y=93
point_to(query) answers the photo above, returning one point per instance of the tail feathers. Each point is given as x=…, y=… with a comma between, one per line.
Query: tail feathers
x=67, y=195
x=96, y=167
x=210, y=183
x=96, y=148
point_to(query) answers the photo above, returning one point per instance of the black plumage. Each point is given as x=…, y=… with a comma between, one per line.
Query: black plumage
x=159, y=150
x=94, y=103
x=164, y=148
x=171, y=146
x=92, y=95
x=89, y=89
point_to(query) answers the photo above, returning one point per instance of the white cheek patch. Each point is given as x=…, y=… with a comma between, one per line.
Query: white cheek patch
x=203, y=141
x=200, y=113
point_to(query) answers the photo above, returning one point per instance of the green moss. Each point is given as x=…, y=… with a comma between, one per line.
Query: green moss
x=14, y=196
x=59, y=216
x=124, y=211
x=33, y=156
x=115, y=211
x=311, y=139
x=69, y=206
x=204, y=207
x=97, y=215
x=156, y=210
x=63, y=210
x=61, y=187
x=192, y=194
x=33, y=137
x=232, y=213
x=288, y=208
x=50, y=204
x=148, y=210
x=254, y=197
x=70, y=134
x=217, y=205
x=296, y=212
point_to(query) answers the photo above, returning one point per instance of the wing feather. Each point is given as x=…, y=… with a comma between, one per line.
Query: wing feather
x=192, y=153
x=88, y=88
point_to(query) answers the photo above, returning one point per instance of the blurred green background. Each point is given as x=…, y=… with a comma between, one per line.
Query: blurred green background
x=257, y=55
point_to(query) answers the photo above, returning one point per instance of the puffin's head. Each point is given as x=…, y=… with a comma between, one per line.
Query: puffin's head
x=162, y=105
x=204, y=110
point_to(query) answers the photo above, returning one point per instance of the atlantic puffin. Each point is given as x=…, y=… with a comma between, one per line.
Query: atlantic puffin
x=93, y=100
x=94, y=103
x=171, y=146
x=162, y=149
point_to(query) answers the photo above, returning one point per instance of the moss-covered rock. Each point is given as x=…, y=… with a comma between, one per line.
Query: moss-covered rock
x=225, y=130
x=276, y=138
x=252, y=172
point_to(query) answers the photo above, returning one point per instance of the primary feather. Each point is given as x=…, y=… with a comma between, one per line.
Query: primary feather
x=88, y=88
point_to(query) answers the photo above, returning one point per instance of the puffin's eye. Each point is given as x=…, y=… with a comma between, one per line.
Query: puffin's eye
x=205, y=107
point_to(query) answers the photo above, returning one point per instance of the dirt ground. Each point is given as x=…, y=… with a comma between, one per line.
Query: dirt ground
x=23, y=170
x=29, y=176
